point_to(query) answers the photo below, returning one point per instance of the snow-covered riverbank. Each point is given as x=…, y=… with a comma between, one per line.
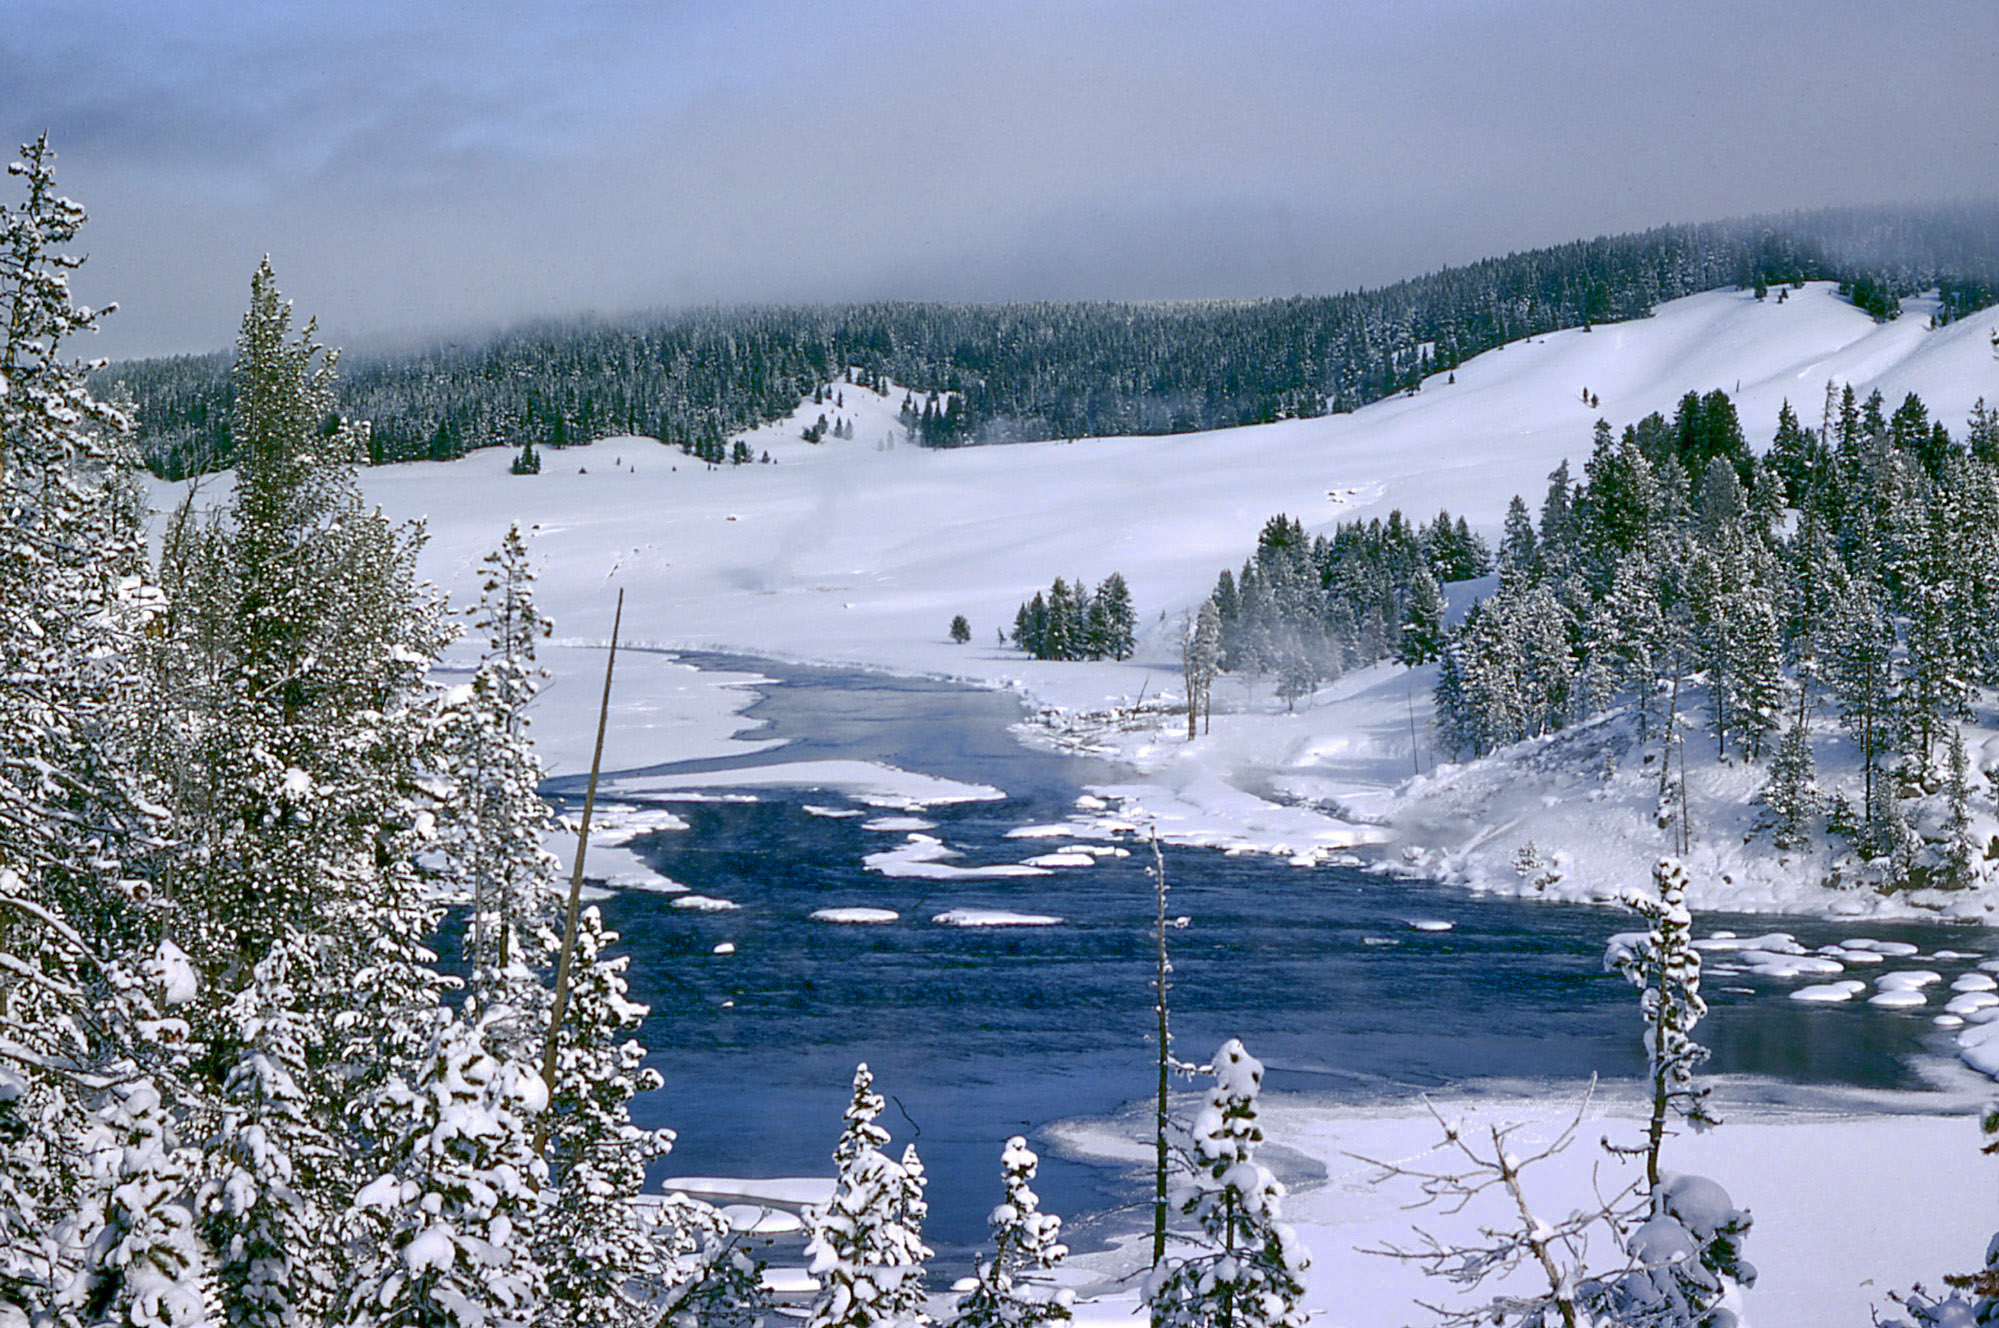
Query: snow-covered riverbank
x=1852, y=1195
x=860, y=552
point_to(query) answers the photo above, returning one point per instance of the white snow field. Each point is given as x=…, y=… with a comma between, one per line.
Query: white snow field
x=859, y=552
x=1847, y=1205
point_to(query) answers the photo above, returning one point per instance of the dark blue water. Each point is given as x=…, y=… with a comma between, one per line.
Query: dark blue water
x=978, y=1034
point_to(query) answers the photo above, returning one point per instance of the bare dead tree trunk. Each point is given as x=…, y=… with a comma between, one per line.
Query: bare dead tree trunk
x=563, y=963
x=1160, y=974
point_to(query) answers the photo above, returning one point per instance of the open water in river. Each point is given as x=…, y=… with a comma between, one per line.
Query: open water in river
x=976, y=1034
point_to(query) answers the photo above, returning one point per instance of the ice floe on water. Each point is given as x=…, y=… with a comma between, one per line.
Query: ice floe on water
x=650, y=882
x=1893, y=949
x=993, y=917
x=833, y=813
x=1830, y=992
x=705, y=904
x=1899, y=998
x=870, y=782
x=1430, y=924
x=611, y=860
x=927, y=857
x=855, y=916
x=1064, y=858
x=898, y=824
x=1781, y=964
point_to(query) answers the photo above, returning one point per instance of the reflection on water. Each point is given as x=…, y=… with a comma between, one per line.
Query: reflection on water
x=977, y=1034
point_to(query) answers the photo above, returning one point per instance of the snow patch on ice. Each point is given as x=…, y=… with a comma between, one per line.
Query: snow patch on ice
x=855, y=916
x=871, y=782
x=925, y=857
x=898, y=824
x=705, y=904
x=993, y=917
x=1830, y=991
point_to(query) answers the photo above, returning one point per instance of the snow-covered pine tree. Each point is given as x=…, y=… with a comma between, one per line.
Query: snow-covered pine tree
x=1664, y=966
x=1112, y=621
x=493, y=835
x=1423, y=623
x=260, y=1214
x=1026, y=1242
x=96, y=1218
x=144, y=1263
x=1245, y=1267
x=1516, y=542
x=1062, y=638
x=1935, y=574
x=905, y=1300
x=1205, y=661
x=868, y=1262
x=1862, y=652
x=1790, y=797
x=297, y=750
x=1689, y=1248
x=1959, y=870
x=446, y=1235
x=607, y=1259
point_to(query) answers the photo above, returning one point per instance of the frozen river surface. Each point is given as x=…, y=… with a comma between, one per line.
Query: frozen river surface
x=1344, y=983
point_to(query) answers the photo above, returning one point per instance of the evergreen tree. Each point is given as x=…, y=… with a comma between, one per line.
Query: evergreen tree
x=1862, y=658
x=1026, y=1243
x=1790, y=799
x=262, y=1217
x=1666, y=969
x=961, y=630
x=868, y=1260
x=97, y=1219
x=1063, y=637
x=608, y=1258
x=1959, y=870
x=1689, y=1248
x=1555, y=543
x=299, y=750
x=1200, y=661
x=447, y=1233
x=1618, y=509
x=1244, y=1271
x=494, y=839
x=1516, y=544
x=1935, y=574
x=1423, y=629
x=1981, y=435
x=1112, y=620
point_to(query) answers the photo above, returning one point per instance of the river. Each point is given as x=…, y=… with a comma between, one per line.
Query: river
x=975, y=1034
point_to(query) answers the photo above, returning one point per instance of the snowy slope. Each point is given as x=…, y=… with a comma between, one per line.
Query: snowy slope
x=847, y=551
x=860, y=551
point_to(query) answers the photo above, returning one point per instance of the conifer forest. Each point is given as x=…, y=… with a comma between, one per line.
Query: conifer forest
x=304, y=1022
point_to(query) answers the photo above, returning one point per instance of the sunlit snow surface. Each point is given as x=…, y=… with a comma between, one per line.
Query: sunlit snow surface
x=860, y=552
x=1846, y=1205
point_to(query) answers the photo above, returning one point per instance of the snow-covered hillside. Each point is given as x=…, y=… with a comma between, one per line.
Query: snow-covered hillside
x=861, y=550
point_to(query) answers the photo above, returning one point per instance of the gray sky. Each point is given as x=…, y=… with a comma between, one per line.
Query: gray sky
x=416, y=166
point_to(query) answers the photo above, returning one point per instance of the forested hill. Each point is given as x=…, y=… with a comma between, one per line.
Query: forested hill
x=1003, y=372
